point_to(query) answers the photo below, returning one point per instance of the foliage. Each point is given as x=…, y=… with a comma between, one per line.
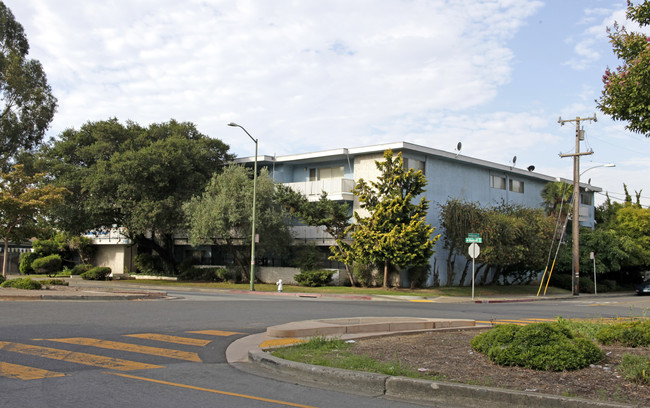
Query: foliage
x=332, y=215
x=363, y=273
x=148, y=264
x=540, y=346
x=23, y=200
x=222, y=215
x=22, y=283
x=626, y=92
x=557, y=198
x=48, y=265
x=314, y=278
x=26, y=259
x=515, y=238
x=81, y=268
x=211, y=274
x=134, y=177
x=26, y=103
x=307, y=257
x=635, y=368
x=634, y=333
x=97, y=273
x=2, y=279
x=54, y=282
x=395, y=231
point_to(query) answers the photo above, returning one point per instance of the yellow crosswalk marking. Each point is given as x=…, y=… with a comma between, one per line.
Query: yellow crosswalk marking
x=26, y=373
x=75, y=357
x=280, y=342
x=171, y=339
x=114, y=345
x=215, y=332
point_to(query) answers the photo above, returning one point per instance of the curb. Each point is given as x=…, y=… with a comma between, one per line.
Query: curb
x=423, y=391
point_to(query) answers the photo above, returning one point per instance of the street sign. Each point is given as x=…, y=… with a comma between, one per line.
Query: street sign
x=473, y=235
x=474, y=250
x=470, y=240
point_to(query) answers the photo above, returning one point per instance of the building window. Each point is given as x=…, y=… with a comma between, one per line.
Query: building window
x=498, y=182
x=586, y=199
x=326, y=173
x=516, y=186
x=414, y=164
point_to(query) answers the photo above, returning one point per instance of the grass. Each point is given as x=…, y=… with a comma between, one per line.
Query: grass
x=482, y=291
x=333, y=353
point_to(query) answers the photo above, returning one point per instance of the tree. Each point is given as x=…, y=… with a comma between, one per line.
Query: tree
x=23, y=198
x=626, y=92
x=223, y=215
x=333, y=216
x=134, y=177
x=395, y=231
x=27, y=104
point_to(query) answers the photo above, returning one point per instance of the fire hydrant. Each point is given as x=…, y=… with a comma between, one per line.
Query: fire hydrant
x=279, y=283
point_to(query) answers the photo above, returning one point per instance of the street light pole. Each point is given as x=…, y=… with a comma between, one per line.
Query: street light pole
x=575, y=281
x=254, y=200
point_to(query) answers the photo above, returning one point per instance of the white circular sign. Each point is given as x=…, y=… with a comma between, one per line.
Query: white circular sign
x=474, y=250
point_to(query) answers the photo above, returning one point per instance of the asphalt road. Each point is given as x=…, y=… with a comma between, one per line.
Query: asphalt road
x=171, y=353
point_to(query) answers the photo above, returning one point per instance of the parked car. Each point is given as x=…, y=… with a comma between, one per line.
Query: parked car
x=644, y=288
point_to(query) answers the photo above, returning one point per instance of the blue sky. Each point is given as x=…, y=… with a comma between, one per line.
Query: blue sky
x=313, y=75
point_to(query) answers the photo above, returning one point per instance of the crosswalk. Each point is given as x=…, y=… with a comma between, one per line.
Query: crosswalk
x=169, y=347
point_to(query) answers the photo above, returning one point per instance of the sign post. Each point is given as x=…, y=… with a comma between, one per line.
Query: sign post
x=474, y=251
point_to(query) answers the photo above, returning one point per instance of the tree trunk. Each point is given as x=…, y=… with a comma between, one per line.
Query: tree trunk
x=5, y=260
x=464, y=275
x=386, y=274
x=347, y=268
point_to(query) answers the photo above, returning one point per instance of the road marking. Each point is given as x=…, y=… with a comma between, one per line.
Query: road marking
x=171, y=339
x=114, y=345
x=75, y=357
x=231, y=394
x=281, y=342
x=215, y=333
x=26, y=373
x=422, y=300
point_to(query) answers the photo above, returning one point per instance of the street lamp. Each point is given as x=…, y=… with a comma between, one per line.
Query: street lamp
x=600, y=165
x=254, y=197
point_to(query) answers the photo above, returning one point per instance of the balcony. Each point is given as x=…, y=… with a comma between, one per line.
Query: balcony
x=337, y=189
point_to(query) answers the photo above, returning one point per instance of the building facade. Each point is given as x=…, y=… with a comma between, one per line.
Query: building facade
x=449, y=176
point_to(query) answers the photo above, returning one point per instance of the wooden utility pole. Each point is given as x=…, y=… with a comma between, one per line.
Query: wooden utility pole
x=575, y=279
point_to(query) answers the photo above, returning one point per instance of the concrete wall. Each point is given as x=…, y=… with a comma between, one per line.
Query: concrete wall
x=271, y=274
x=117, y=257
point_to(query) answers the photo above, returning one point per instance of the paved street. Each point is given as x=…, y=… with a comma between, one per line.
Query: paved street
x=171, y=353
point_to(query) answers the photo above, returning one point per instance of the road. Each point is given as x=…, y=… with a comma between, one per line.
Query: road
x=171, y=353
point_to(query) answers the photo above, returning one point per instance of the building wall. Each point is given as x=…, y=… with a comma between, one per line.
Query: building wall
x=116, y=257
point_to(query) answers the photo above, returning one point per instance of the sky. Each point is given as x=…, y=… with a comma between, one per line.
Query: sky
x=312, y=75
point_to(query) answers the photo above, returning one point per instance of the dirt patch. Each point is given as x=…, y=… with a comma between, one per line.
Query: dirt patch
x=447, y=356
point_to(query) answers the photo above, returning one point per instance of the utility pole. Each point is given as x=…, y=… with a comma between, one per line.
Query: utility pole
x=580, y=135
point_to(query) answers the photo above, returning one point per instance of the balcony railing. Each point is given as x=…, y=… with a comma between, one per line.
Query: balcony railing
x=336, y=189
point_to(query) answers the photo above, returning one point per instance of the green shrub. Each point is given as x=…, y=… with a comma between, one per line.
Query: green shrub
x=319, y=277
x=635, y=333
x=540, y=346
x=54, y=282
x=26, y=259
x=635, y=368
x=211, y=274
x=49, y=265
x=363, y=273
x=22, y=283
x=81, y=268
x=98, y=273
x=2, y=279
x=148, y=264
x=307, y=258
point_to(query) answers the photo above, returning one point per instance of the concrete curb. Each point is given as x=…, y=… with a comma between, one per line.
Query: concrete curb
x=422, y=391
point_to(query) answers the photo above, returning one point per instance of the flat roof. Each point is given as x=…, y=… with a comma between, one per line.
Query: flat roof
x=342, y=153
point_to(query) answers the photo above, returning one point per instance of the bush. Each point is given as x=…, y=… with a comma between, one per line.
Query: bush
x=54, y=282
x=26, y=259
x=634, y=333
x=363, y=273
x=49, y=265
x=22, y=283
x=98, y=273
x=635, y=368
x=81, y=268
x=148, y=264
x=2, y=279
x=319, y=277
x=540, y=346
x=213, y=274
x=307, y=258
